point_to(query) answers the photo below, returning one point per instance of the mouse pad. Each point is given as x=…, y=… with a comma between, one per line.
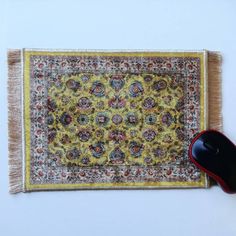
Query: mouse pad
x=108, y=119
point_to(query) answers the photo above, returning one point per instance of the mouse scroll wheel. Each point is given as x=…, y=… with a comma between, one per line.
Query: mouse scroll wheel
x=213, y=149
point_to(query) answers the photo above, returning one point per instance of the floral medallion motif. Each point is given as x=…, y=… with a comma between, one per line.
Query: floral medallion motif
x=135, y=149
x=117, y=119
x=117, y=82
x=97, y=149
x=98, y=89
x=73, y=85
x=167, y=119
x=131, y=119
x=84, y=135
x=117, y=102
x=73, y=154
x=159, y=85
x=117, y=156
x=84, y=103
x=117, y=136
x=83, y=119
x=149, y=135
x=102, y=119
x=149, y=103
x=65, y=119
x=151, y=119
x=136, y=89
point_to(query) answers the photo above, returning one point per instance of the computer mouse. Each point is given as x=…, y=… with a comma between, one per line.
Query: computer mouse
x=215, y=154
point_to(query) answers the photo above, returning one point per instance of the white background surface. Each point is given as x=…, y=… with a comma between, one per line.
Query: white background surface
x=119, y=24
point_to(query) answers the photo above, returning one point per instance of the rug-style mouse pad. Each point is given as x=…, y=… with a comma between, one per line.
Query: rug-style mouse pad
x=109, y=119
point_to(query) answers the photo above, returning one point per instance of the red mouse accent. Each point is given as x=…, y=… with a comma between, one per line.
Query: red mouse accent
x=216, y=177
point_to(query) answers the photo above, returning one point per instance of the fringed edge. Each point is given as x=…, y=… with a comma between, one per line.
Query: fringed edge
x=215, y=119
x=14, y=122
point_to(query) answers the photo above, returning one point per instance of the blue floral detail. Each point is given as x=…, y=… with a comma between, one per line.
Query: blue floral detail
x=117, y=156
x=117, y=82
x=83, y=119
x=150, y=119
x=136, y=89
x=135, y=149
x=98, y=89
x=97, y=149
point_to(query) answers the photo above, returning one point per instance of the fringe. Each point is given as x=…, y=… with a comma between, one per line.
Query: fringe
x=14, y=122
x=215, y=120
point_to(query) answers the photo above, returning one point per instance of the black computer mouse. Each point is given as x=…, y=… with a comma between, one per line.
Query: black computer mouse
x=215, y=154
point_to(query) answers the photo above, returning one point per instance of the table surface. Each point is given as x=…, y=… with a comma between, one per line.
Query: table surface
x=123, y=24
